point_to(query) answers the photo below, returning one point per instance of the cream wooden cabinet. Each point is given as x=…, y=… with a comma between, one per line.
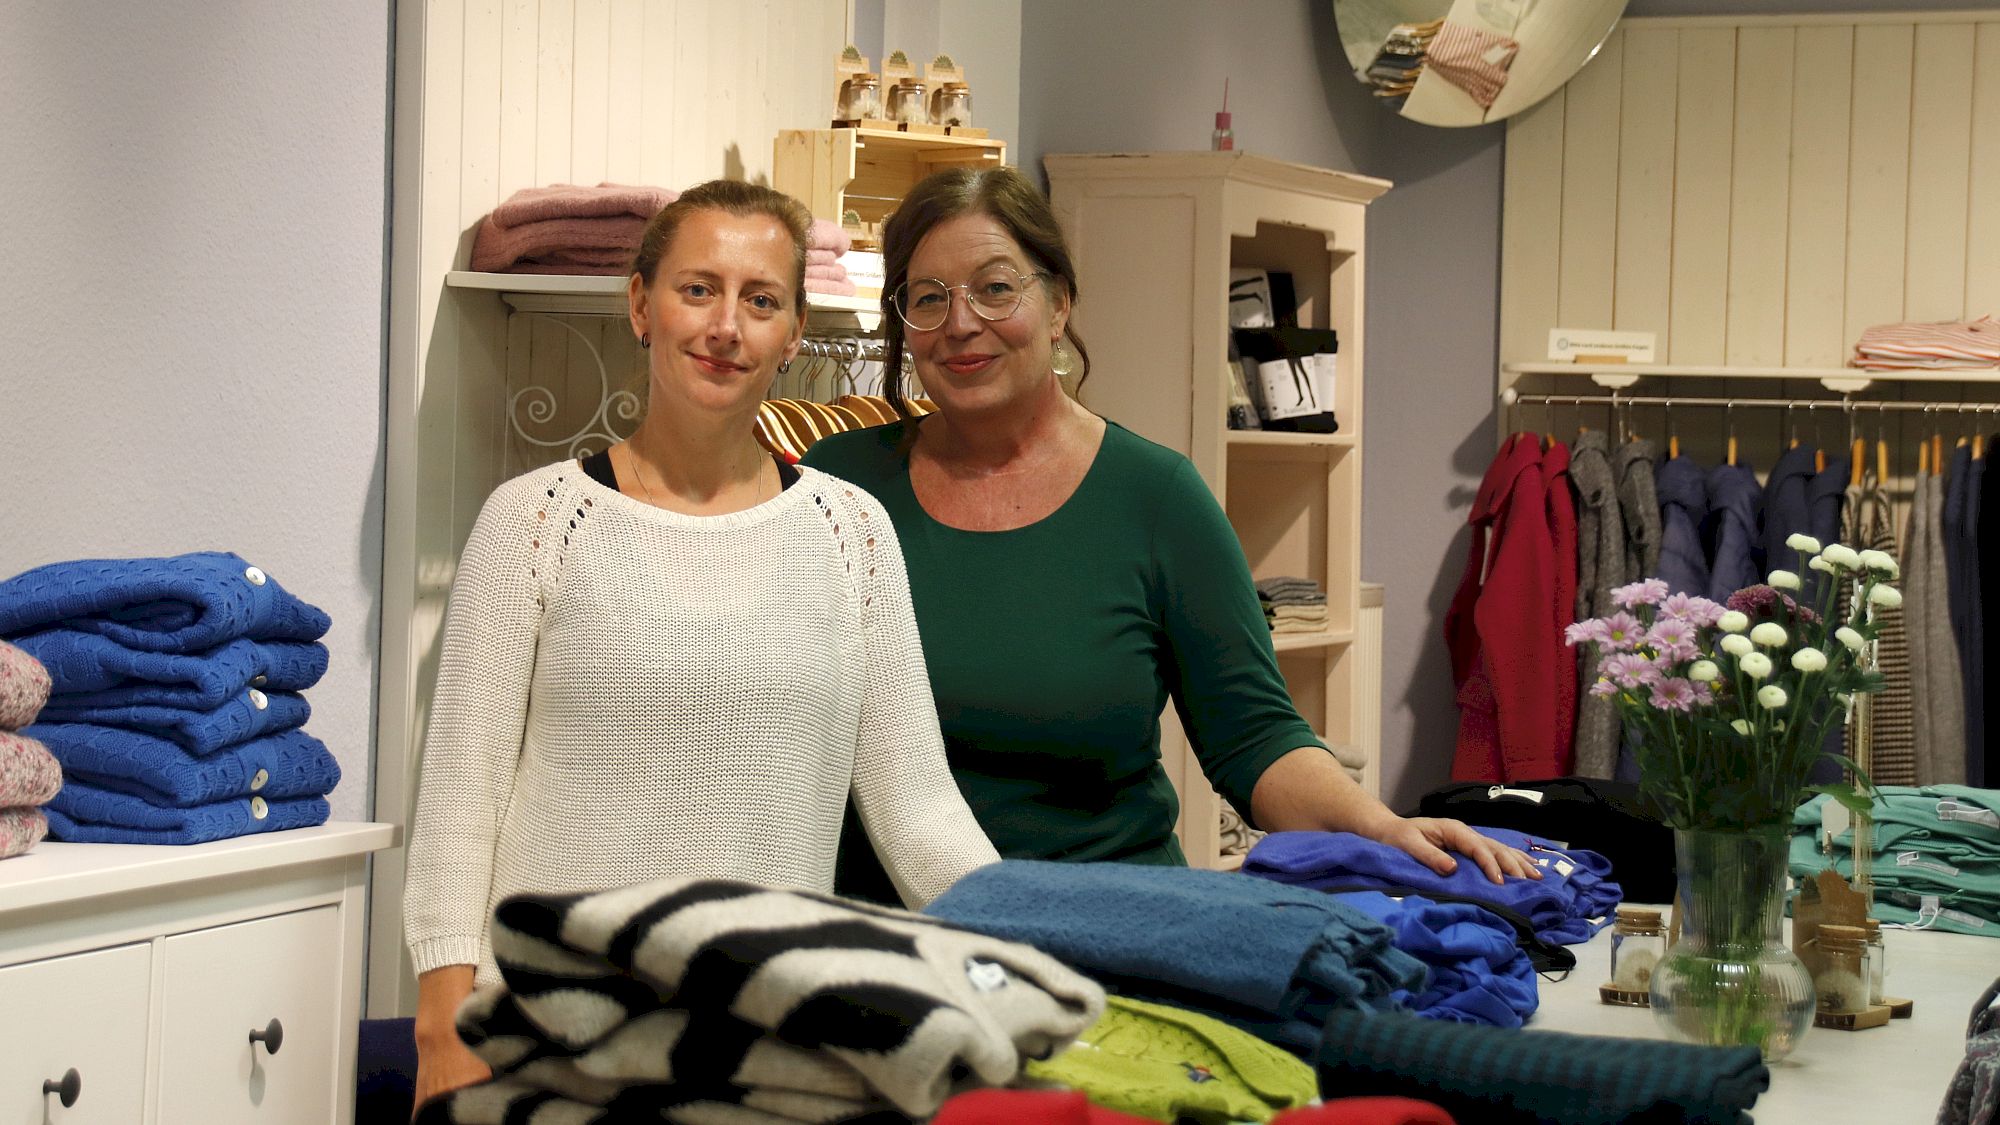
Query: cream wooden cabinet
x=217, y=984
x=1155, y=236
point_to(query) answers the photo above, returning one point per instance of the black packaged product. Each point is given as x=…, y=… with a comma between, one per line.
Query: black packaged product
x=1292, y=373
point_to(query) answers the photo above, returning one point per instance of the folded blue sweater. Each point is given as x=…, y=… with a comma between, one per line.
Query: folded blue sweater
x=1478, y=973
x=239, y=719
x=289, y=764
x=95, y=671
x=84, y=814
x=1272, y=960
x=187, y=603
x=1571, y=901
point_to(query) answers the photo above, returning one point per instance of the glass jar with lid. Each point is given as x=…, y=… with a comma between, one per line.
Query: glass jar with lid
x=951, y=104
x=1841, y=980
x=1638, y=941
x=860, y=97
x=1878, y=961
x=905, y=104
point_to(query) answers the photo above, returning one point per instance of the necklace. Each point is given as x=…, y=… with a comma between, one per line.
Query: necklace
x=638, y=474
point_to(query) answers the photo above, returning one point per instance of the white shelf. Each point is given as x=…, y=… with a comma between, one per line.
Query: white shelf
x=604, y=295
x=1841, y=380
x=1284, y=439
x=1304, y=642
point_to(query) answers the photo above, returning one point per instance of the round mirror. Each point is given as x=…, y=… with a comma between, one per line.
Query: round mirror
x=1468, y=62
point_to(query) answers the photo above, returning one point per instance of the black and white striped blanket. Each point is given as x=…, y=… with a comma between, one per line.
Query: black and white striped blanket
x=717, y=1002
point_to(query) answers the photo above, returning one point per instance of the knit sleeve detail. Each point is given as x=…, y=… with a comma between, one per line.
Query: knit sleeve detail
x=909, y=803
x=506, y=576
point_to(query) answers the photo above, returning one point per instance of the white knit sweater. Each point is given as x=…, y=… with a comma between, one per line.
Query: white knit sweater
x=627, y=693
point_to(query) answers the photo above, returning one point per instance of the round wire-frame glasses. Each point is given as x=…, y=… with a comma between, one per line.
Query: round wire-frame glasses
x=924, y=303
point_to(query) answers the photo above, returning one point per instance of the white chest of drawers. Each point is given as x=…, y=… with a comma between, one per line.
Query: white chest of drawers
x=145, y=971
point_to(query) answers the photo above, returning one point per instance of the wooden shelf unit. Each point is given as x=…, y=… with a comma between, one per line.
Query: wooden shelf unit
x=1154, y=236
x=867, y=171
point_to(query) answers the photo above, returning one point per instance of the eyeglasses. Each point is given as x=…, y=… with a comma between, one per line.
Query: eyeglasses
x=993, y=293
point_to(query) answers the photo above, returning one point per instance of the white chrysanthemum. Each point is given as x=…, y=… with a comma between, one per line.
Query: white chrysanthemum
x=1733, y=621
x=1881, y=561
x=1847, y=636
x=1740, y=726
x=1756, y=665
x=1770, y=634
x=1809, y=660
x=1782, y=580
x=1736, y=644
x=1841, y=556
x=1887, y=597
x=1802, y=543
x=1771, y=697
x=1820, y=564
x=1703, y=671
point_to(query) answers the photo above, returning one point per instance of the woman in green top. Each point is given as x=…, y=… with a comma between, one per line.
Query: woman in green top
x=1069, y=576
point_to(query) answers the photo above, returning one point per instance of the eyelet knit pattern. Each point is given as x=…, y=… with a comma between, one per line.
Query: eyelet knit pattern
x=627, y=693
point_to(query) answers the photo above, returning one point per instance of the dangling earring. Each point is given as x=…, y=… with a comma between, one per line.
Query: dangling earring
x=784, y=367
x=1061, y=360
x=646, y=340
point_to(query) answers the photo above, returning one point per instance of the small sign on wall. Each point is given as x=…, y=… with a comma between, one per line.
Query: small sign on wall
x=1592, y=345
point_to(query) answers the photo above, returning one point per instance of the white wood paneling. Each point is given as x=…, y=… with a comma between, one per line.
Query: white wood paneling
x=1878, y=176
x=1645, y=179
x=1759, y=201
x=1705, y=125
x=555, y=62
x=1590, y=187
x=1816, y=247
x=1982, y=238
x=1781, y=184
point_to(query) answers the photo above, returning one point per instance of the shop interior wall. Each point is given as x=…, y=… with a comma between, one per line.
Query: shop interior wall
x=1095, y=78
x=191, y=314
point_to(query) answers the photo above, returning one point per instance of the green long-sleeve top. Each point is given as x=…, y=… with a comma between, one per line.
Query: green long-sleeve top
x=1054, y=648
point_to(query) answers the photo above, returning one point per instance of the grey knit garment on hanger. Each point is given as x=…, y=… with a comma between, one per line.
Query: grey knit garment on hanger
x=1893, y=747
x=1935, y=684
x=1600, y=567
x=1639, y=505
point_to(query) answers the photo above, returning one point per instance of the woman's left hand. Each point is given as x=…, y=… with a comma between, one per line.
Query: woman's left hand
x=1432, y=840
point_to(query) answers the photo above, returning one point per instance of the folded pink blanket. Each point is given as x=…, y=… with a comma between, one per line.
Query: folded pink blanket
x=574, y=201
x=24, y=687
x=827, y=273
x=822, y=258
x=29, y=774
x=498, y=247
x=21, y=829
x=829, y=236
x=830, y=288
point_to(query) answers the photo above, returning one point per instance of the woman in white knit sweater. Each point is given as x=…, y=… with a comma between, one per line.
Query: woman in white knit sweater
x=678, y=657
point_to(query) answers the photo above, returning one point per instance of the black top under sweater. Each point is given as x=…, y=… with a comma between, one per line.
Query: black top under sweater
x=598, y=467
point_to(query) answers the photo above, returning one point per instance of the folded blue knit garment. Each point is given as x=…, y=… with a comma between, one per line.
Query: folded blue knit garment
x=1478, y=973
x=247, y=715
x=1272, y=960
x=1571, y=901
x=288, y=764
x=95, y=671
x=85, y=814
x=187, y=603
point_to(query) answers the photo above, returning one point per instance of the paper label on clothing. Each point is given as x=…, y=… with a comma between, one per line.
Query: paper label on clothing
x=1498, y=791
x=1564, y=867
x=1917, y=859
x=986, y=976
x=1949, y=809
x=1297, y=385
x=1962, y=918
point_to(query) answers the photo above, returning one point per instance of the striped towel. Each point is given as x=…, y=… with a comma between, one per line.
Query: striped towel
x=1472, y=59
x=1939, y=346
x=713, y=1000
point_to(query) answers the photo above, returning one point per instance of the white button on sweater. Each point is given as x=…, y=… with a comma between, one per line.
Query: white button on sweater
x=627, y=693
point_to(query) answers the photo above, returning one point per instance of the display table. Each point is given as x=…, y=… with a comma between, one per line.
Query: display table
x=1884, y=1075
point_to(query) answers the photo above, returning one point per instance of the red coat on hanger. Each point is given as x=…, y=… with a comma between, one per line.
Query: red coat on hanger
x=1507, y=652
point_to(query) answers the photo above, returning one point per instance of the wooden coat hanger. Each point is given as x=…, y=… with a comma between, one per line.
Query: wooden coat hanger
x=1729, y=421
x=1923, y=458
x=1858, y=453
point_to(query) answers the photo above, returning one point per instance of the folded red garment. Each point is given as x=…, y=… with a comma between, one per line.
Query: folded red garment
x=575, y=201
x=498, y=247
x=1367, y=1111
x=1028, y=1107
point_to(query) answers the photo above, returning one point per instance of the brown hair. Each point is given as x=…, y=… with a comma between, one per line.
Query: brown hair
x=736, y=198
x=1002, y=194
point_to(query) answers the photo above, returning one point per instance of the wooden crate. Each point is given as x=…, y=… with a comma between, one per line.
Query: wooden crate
x=868, y=171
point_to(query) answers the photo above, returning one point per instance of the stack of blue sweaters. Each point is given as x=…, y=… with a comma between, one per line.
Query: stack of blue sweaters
x=175, y=708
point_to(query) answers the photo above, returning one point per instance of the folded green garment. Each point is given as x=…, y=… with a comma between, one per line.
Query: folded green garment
x=1171, y=1064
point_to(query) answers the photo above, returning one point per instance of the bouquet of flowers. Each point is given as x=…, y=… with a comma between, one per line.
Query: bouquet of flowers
x=1732, y=702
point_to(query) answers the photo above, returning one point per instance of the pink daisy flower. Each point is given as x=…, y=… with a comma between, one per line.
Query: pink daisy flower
x=1699, y=612
x=1646, y=591
x=1603, y=689
x=1622, y=631
x=1630, y=669
x=1672, y=639
x=1586, y=632
x=1674, y=694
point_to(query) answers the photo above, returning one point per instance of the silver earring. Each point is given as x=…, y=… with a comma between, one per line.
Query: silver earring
x=1061, y=360
x=784, y=367
x=646, y=341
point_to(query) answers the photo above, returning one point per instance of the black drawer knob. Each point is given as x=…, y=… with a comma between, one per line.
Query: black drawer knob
x=272, y=1037
x=67, y=1090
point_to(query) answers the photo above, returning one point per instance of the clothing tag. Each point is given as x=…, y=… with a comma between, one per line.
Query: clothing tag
x=1496, y=792
x=1917, y=859
x=1564, y=867
x=986, y=976
x=1949, y=809
x=1198, y=1074
x=1963, y=918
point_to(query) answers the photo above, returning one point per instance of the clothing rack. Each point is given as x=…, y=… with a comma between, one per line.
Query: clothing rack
x=1511, y=397
x=843, y=348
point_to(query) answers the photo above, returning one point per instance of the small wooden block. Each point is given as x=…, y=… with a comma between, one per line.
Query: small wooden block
x=1624, y=998
x=1875, y=1015
x=881, y=123
x=1899, y=1008
x=966, y=131
x=923, y=127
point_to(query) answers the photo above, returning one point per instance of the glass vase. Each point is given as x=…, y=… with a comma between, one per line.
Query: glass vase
x=1730, y=980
